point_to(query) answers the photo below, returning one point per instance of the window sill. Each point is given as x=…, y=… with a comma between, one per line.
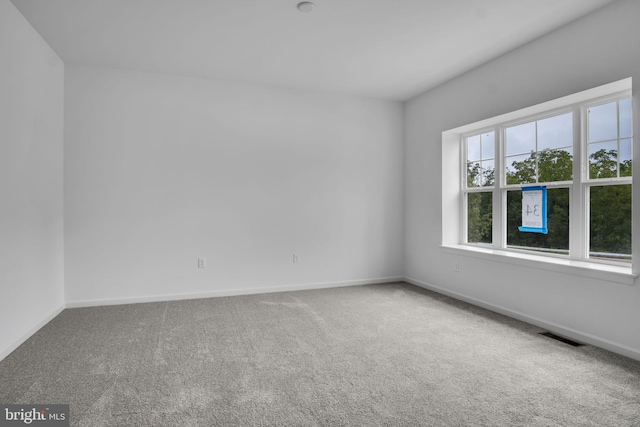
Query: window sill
x=605, y=272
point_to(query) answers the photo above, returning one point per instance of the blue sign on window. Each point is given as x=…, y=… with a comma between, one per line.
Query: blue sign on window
x=534, y=210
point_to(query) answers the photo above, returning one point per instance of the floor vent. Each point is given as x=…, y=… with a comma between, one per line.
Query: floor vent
x=561, y=339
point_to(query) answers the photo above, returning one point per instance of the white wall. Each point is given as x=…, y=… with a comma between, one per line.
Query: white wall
x=161, y=170
x=31, y=149
x=598, y=49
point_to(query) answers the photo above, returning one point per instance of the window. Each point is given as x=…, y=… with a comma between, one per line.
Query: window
x=610, y=145
x=581, y=152
x=480, y=173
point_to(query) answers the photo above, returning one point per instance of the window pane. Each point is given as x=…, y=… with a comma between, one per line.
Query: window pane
x=557, y=240
x=626, y=157
x=555, y=132
x=473, y=148
x=521, y=139
x=488, y=145
x=521, y=169
x=626, y=121
x=488, y=172
x=474, y=175
x=603, y=160
x=555, y=165
x=610, y=222
x=481, y=174
x=479, y=217
x=603, y=122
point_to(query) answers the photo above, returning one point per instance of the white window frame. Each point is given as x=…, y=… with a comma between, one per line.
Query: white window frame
x=578, y=260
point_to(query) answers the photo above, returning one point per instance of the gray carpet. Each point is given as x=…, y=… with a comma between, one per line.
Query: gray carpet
x=377, y=355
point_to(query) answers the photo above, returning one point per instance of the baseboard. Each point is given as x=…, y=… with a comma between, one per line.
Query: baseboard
x=9, y=349
x=584, y=337
x=227, y=292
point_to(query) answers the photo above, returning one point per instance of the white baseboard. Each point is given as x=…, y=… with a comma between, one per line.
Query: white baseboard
x=584, y=337
x=227, y=292
x=9, y=349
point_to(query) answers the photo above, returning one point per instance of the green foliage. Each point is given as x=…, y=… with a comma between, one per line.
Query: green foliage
x=523, y=172
x=480, y=214
x=473, y=175
x=544, y=166
x=610, y=224
x=477, y=177
x=603, y=164
x=554, y=165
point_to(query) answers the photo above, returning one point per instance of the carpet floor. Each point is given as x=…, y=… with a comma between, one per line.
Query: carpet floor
x=376, y=355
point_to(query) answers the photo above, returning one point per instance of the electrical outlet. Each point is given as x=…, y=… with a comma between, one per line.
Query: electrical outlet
x=296, y=258
x=456, y=267
x=202, y=263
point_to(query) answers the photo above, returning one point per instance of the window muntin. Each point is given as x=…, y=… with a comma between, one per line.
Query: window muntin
x=541, y=150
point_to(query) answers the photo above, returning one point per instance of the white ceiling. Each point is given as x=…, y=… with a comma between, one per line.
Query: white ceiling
x=390, y=49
